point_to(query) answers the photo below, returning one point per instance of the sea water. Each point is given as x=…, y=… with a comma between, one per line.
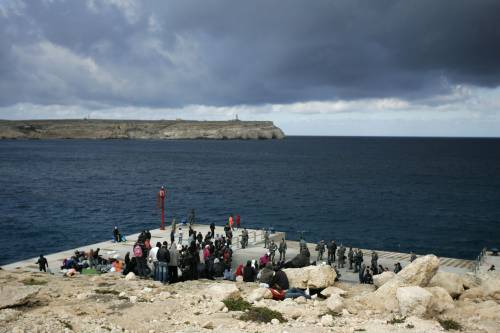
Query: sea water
x=428, y=195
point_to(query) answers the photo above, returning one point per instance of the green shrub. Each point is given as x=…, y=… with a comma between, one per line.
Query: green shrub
x=107, y=291
x=261, y=314
x=237, y=304
x=33, y=282
x=450, y=324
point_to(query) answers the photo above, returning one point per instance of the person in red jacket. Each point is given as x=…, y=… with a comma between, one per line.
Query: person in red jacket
x=238, y=221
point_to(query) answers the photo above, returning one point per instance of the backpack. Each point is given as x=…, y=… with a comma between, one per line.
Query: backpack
x=137, y=251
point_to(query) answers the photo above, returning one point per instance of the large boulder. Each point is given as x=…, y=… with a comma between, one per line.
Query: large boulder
x=380, y=279
x=470, y=280
x=451, y=282
x=413, y=300
x=223, y=291
x=297, y=277
x=315, y=277
x=488, y=290
x=420, y=271
x=384, y=298
x=440, y=301
x=321, y=276
x=258, y=294
x=328, y=291
x=335, y=303
x=12, y=296
x=491, y=289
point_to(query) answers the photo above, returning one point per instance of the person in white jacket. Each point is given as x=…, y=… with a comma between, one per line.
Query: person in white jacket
x=152, y=261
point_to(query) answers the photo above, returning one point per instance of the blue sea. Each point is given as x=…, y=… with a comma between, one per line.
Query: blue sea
x=429, y=195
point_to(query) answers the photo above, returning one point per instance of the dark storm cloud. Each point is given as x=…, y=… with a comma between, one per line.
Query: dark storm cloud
x=173, y=53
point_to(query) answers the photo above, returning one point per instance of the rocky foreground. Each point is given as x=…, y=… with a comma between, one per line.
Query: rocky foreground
x=136, y=129
x=418, y=299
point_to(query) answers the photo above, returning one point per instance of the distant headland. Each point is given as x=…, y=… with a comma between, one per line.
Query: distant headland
x=138, y=129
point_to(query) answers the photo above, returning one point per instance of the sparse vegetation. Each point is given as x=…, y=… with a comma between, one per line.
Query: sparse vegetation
x=67, y=324
x=333, y=313
x=261, y=314
x=107, y=291
x=237, y=304
x=395, y=320
x=33, y=282
x=450, y=324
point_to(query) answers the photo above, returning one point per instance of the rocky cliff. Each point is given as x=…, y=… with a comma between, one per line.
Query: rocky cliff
x=137, y=129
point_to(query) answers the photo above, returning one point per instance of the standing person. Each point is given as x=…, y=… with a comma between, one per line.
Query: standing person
x=172, y=264
x=140, y=254
x=238, y=221
x=172, y=231
x=180, y=235
x=341, y=256
x=212, y=229
x=231, y=221
x=163, y=259
x=192, y=217
x=361, y=273
x=116, y=234
x=374, y=262
x=332, y=247
x=266, y=239
x=321, y=249
x=152, y=260
x=244, y=238
x=91, y=259
x=272, y=250
x=43, y=264
x=282, y=249
x=350, y=256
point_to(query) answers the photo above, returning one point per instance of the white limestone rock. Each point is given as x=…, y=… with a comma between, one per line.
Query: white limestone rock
x=11, y=296
x=413, y=300
x=315, y=277
x=380, y=279
x=328, y=291
x=223, y=291
x=258, y=294
x=421, y=271
x=451, y=282
x=440, y=301
x=335, y=303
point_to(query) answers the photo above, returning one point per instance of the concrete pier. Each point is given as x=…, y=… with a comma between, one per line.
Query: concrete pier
x=254, y=251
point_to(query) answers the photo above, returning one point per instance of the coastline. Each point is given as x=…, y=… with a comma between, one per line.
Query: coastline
x=139, y=129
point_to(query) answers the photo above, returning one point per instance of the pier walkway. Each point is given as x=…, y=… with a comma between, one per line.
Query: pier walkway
x=254, y=251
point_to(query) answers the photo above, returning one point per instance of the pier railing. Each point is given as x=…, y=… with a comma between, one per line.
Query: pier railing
x=479, y=260
x=257, y=236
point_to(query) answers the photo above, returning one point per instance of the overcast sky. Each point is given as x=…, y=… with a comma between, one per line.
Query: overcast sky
x=384, y=67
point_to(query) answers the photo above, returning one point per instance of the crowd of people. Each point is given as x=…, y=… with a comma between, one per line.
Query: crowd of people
x=336, y=257
x=210, y=256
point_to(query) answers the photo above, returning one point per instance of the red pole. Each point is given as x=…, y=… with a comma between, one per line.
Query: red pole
x=161, y=199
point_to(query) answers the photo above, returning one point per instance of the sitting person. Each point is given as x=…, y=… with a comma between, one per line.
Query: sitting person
x=266, y=274
x=264, y=260
x=249, y=272
x=279, y=280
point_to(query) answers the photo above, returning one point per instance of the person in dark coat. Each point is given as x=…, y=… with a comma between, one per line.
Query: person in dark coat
x=280, y=280
x=249, y=273
x=42, y=263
